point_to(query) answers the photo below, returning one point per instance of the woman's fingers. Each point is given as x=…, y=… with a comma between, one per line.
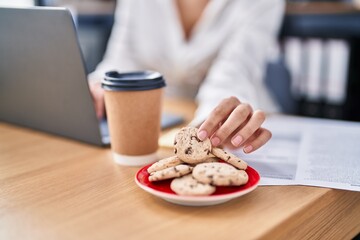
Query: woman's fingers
x=238, y=117
x=98, y=97
x=216, y=118
x=100, y=108
x=254, y=123
x=258, y=139
x=235, y=124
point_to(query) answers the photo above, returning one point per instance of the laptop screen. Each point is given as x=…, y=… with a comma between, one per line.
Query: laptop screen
x=43, y=81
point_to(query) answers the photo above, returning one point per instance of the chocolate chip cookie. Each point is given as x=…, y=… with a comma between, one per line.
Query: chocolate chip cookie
x=189, y=148
x=230, y=158
x=189, y=186
x=164, y=163
x=219, y=174
x=170, y=172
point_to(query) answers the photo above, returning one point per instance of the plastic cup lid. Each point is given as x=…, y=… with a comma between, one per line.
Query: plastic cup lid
x=132, y=81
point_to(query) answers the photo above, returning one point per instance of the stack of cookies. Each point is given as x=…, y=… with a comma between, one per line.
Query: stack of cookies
x=195, y=169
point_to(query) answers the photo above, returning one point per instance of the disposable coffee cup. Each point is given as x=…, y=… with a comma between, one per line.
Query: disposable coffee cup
x=133, y=103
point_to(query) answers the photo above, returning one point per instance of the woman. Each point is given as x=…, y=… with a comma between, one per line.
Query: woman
x=208, y=50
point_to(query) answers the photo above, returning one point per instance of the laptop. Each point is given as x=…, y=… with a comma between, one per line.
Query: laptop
x=43, y=81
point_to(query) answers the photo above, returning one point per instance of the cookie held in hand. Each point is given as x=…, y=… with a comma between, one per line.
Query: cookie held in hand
x=189, y=148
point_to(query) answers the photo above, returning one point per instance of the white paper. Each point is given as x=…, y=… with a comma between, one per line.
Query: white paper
x=309, y=151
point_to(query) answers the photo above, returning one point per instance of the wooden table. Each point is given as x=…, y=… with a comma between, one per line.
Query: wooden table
x=55, y=188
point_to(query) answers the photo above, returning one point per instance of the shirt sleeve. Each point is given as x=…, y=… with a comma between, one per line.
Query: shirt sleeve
x=118, y=52
x=239, y=67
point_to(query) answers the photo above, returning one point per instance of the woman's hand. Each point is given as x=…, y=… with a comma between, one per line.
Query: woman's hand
x=235, y=124
x=98, y=97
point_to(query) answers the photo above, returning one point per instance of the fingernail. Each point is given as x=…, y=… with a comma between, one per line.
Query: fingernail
x=236, y=140
x=215, y=141
x=248, y=149
x=202, y=135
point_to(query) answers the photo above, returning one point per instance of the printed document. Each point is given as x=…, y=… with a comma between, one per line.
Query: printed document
x=309, y=151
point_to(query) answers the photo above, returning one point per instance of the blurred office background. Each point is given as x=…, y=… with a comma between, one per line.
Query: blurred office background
x=316, y=71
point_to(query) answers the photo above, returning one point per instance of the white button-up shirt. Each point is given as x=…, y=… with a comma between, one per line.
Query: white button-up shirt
x=226, y=54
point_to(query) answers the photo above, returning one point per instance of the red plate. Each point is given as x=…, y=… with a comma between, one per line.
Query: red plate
x=222, y=194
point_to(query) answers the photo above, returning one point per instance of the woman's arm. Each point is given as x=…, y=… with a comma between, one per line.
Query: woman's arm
x=239, y=71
